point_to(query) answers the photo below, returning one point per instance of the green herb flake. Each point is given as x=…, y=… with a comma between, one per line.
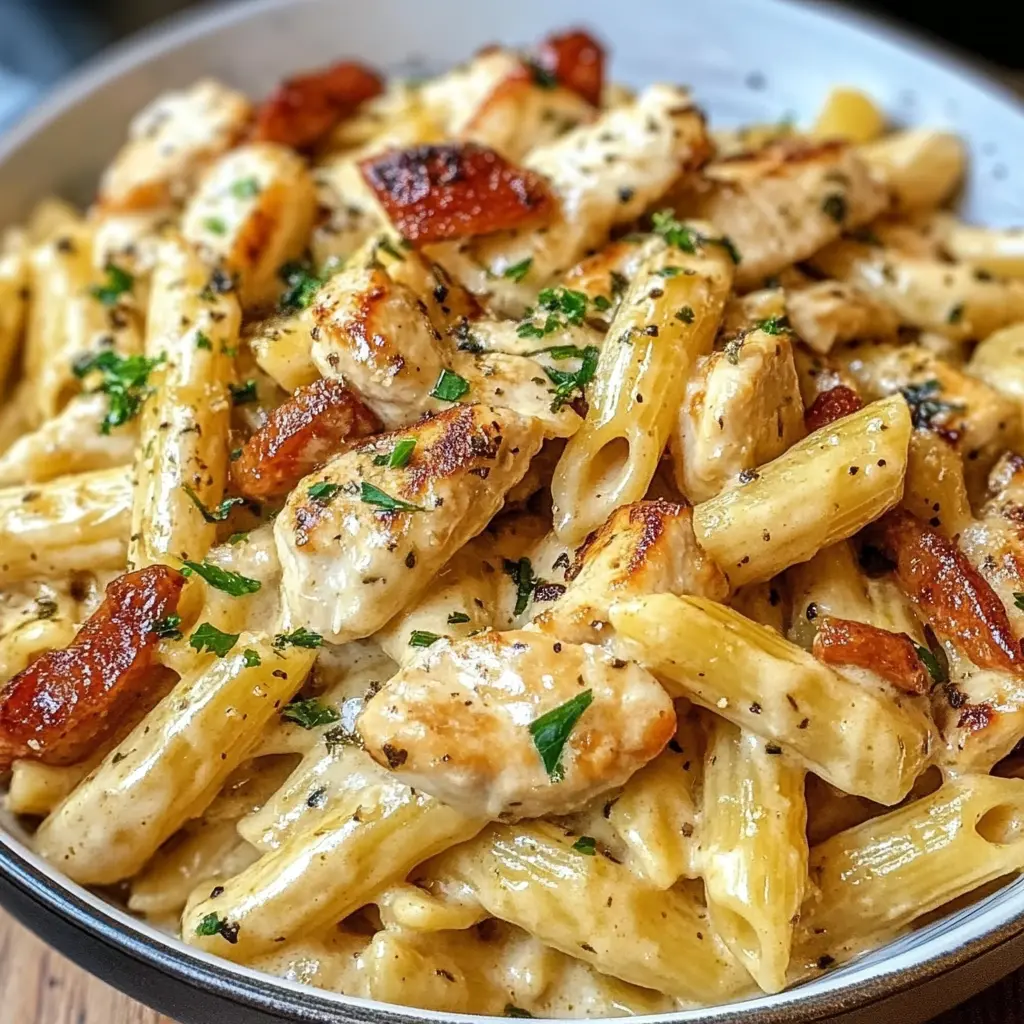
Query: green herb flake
x=669, y=272
x=773, y=325
x=300, y=637
x=570, y=384
x=167, y=627
x=323, y=492
x=587, y=845
x=522, y=576
x=934, y=666
x=925, y=407
x=686, y=314
x=457, y=618
x=215, y=225
x=422, y=638
x=519, y=270
x=213, y=925
x=541, y=76
x=117, y=283
x=601, y=303
x=244, y=394
x=217, y=515
x=310, y=714
x=834, y=206
x=450, y=387
x=124, y=380
x=301, y=286
x=674, y=231
x=619, y=283
x=210, y=638
x=956, y=314
x=1018, y=600
x=245, y=188
x=203, y=341
x=237, y=538
x=560, y=307
x=551, y=731
x=399, y=456
x=516, y=1011
x=232, y=583
x=371, y=495
x=251, y=658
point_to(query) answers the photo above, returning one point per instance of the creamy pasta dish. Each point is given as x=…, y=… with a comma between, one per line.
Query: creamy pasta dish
x=499, y=544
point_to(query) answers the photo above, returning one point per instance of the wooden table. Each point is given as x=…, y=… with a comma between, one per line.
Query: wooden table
x=38, y=986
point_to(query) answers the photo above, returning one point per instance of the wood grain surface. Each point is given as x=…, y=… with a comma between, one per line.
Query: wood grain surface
x=38, y=986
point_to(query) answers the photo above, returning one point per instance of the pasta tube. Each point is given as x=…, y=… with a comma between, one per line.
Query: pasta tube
x=921, y=167
x=73, y=523
x=822, y=490
x=181, y=466
x=171, y=766
x=668, y=318
x=595, y=910
x=754, y=849
x=14, y=293
x=858, y=737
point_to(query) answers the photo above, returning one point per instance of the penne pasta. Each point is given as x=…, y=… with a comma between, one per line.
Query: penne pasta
x=823, y=490
x=665, y=323
x=861, y=739
x=921, y=167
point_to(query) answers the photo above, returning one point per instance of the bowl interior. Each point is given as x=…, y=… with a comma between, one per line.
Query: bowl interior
x=746, y=60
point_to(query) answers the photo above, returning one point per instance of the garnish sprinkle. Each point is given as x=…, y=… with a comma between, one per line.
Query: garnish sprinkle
x=371, y=495
x=117, y=283
x=450, y=387
x=232, y=583
x=310, y=714
x=300, y=637
x=399, y=456
x=551, y=731
x=422, y=638
x=210, y=638
x=125, y=382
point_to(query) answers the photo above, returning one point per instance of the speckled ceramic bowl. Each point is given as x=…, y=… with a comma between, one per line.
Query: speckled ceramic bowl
x=746, y=60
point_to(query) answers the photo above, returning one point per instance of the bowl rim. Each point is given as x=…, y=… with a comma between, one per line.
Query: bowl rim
x=850, y=988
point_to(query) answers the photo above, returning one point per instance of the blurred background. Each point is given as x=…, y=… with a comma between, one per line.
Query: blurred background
x=42, y=39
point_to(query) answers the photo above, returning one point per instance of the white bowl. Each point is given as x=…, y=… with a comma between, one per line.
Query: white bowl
x=746, y=60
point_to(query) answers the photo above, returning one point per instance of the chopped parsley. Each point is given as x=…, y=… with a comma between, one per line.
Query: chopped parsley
x=773, y=325
x=525, y=582
x=834, y=206
x=541, y=76
x=244, y=394
x=302, y=286
x=117, y=283
x=601, y=303
x=210, y=638
x=215, y=225
x=213, y=925
x=323, y=491
x=678, y=234
x=203, y=341
x=245, y=188
x=386, y=245
x=220, y=513
x=1018, y=600
x=560, y=307
x=925, y=406
x=125, y=382
x=587, y=845
x=167, y=627
x=568, y=384
x=450, y=387
x=422, y=638
x=956, y=314
x=935, y=668
x=519, y=270
x=232, y=583
x=457, y=618
x=300, y=637
x=371, y=495
x=310, y=714
x=251, y=658
x=399, y=456
x=551, y=731
x=237, y=538
x=685, y=314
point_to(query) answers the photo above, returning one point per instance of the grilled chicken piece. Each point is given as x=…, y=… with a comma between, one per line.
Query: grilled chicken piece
x=375, y=334
x=893, y=656
x=456, y=190
x=304, y=109
x=829, y=313
x=253, y=230
x=63, y=704
x=951, y=299
x=358, y=541
x=974, y=418
x=783, y=203
x=644, y=548
x=575, y=60
x=170, y=142
x=517, y=724
x=317, y=422
x=742, y=409
x=602, y=175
